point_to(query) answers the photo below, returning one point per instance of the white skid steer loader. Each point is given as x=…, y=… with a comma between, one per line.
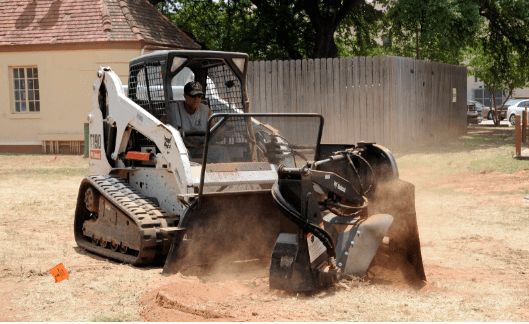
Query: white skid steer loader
x=262, y=187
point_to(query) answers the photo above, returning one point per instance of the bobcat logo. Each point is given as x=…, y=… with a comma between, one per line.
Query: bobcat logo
x=167, y=143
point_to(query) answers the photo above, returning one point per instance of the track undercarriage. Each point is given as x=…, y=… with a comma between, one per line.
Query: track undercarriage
x=114, y=220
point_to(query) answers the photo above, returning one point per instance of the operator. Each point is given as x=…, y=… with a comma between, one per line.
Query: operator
x=192, y=116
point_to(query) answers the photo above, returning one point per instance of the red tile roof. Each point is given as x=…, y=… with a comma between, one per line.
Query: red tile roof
x=25, y=22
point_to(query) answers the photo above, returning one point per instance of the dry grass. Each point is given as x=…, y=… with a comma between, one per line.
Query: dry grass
x=474, y=249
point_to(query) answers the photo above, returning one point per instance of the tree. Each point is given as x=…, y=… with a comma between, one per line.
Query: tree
x=436, y=30
x=505, y=76
x=500, y=57
x=270, y=29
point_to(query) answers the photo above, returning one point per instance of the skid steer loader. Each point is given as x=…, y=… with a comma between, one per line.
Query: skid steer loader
x=263, y=186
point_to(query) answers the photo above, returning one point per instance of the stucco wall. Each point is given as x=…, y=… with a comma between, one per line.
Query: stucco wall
x=472, y=84
x=65, y=80
x=521, y=93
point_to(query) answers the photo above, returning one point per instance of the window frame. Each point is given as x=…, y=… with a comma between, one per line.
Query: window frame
x=12, y=95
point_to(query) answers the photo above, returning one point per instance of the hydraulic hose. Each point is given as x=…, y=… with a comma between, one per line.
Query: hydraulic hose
x=292, y=214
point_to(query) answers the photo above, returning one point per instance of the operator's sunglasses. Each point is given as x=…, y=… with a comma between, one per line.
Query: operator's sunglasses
x=197, y=95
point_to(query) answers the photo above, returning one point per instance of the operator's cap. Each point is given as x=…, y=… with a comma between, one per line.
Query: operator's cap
x=193, y=88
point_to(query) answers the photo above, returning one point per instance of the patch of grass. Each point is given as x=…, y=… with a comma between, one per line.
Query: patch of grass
x=65, y=171
x=476, y=140
x=59, y=171
x=509, y=193
x=499, y=159
x=105, y=318
x=18, y=154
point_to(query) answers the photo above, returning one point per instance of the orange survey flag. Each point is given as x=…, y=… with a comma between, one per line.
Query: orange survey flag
x=59, y=273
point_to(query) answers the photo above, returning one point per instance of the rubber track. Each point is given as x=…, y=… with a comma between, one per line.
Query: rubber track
x=148, y=217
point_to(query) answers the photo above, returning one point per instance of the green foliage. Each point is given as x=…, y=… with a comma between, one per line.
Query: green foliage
x=278, y=29
x=357, y=34
x=493, y=34
x=500, y=56
x=440, y=28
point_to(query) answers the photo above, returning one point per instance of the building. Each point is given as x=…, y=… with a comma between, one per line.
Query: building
x=50, y=51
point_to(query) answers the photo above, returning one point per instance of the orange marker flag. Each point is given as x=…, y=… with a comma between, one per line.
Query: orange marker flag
x=59, y=273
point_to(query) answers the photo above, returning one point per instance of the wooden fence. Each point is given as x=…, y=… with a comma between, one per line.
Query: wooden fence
x=394, y=101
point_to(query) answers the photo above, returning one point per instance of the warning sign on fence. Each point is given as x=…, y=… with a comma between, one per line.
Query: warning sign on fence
x=59, y=273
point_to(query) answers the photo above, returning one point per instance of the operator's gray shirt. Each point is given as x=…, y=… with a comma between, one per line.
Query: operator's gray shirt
x=184, y=122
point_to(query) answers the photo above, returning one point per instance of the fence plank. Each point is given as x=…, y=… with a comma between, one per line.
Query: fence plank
x=349, y=106
x=304, y=86
x=407, y=100
x=317, y=86
x=369, y=100
x=273, y=78
x=399, y=106
x=292, y=85
x=280, y=88
x=335, y=95
x=310, y=86
x=250, y=82
x=329, y=102
x=373, y=99
x=387, y=103
x=342, y=136
x=376, y=101
x=299, y=87
x=362, y=103
x=262, y=87
x=377, y=97
x=356, y=100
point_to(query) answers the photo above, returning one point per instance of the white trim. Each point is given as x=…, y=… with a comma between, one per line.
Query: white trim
x=20, y=143
x=31, y=115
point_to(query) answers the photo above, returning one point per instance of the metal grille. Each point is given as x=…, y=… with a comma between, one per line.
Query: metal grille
x=155, y=82
x=146, y=90
x=224, y=94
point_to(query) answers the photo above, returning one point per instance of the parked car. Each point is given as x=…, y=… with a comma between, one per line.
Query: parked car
x=474, y=115
x=516, y=109
x=479, y=106
x=506, y=106
x=488, y=111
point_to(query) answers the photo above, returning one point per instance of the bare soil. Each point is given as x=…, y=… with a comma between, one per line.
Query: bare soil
x=472, y=226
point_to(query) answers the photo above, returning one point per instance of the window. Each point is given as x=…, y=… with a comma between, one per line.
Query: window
x=26, y=89
x=484, y=97
x=476, y=80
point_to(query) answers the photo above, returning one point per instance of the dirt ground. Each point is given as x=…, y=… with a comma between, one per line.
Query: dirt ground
x=472, y=224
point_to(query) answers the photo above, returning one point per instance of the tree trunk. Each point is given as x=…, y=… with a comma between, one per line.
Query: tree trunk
x=324, y=45
x=496, y=116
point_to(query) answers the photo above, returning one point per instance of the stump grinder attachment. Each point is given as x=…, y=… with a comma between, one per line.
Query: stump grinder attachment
x=341, y=210
x=262, y=188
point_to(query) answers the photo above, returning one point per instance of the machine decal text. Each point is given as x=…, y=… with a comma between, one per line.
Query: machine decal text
x=339, y=187
x=95, y=141
x=95, y=154
x=167, y=143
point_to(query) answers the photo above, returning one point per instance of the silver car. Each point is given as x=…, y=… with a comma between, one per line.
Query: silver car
x=516, y=109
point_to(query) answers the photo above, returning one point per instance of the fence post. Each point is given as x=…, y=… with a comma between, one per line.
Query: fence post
x=86, y=139
x=524, y=126
x=517, y=135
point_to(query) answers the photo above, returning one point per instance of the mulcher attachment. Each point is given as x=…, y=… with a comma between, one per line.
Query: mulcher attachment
x=332, y=230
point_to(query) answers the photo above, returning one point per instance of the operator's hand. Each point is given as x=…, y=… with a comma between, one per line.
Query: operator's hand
x=273, y=150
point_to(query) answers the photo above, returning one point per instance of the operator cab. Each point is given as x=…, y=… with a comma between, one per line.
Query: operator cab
x=156, y=83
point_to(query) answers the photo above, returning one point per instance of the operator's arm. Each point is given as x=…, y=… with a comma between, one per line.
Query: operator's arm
x=212, y=121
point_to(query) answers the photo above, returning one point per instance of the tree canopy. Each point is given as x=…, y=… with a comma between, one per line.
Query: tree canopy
x=490, y=36
x=277, y=29
x=500, y=54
